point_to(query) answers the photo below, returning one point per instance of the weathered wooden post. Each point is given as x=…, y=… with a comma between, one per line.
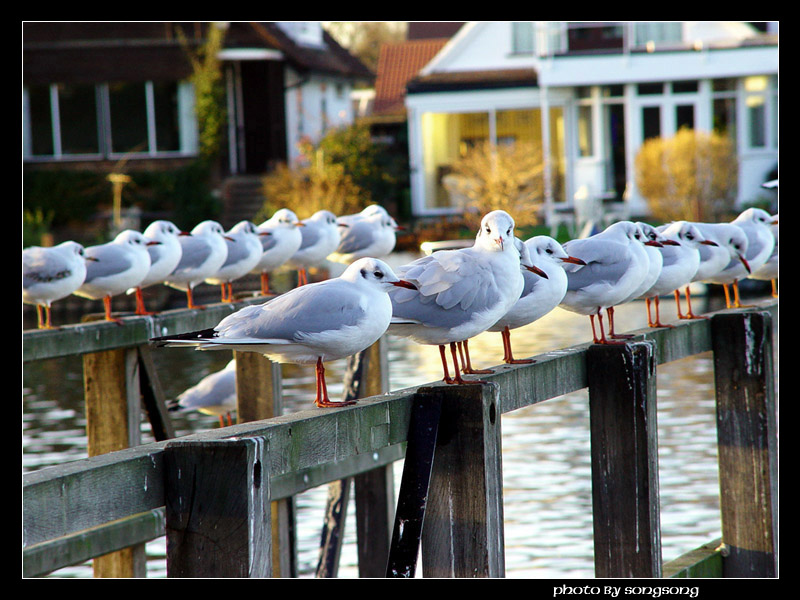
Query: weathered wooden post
x=218, y=508
x=463, y=533
x=259, y=395
x=747, y=440
x=113, y=414
x=624, y=448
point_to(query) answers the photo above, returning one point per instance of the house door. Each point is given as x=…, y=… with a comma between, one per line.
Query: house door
x=256, y=116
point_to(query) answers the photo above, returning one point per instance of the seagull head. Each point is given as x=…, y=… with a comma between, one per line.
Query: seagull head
x=497, y=232
x=544, y=248
x=374, y=272
x=737, y=242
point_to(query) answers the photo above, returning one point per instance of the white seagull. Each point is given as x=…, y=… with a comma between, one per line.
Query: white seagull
x=311, y=324
x=320, y=238
x=372, y=235
x=202, y=254
x=769, y=271
x=164, y=257
x=731, y=246
x=119, y=265
x=543, y=290
x=244, y=251
x=281, y=240
x=755, y=223
x=680, y=263
x=613, y=271
x=461, y=293
x=214, y=394
x=50, y=274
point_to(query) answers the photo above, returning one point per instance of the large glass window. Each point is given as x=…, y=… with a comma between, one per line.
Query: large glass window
x=77, y=109
x=128, y=111
x=108, y=119
x=40, y=124
x=165, y=102
x=446, y=137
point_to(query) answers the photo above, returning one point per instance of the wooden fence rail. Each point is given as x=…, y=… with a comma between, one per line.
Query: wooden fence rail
x=210, y=493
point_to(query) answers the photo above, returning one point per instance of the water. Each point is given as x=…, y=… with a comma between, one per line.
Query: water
x=546, y=447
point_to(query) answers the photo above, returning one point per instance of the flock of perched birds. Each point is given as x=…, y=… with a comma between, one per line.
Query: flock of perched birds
x=498, y=284
x=163, y=254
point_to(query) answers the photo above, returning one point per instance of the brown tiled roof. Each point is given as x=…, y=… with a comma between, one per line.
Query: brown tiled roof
x=397, y=65
x=462, y=80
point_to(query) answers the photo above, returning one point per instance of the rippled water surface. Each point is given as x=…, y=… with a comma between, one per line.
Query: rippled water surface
x=546, y=447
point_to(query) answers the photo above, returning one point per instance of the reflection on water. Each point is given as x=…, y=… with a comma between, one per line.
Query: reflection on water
x=546, y=447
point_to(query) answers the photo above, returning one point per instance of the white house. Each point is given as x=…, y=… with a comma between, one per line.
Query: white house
x=591, y=93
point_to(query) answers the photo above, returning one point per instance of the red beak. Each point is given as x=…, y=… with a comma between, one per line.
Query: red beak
x=573, y=260
x=405, y=284
x=536, y=270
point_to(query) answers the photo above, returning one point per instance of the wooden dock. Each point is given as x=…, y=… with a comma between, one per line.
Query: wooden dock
x=224, y=498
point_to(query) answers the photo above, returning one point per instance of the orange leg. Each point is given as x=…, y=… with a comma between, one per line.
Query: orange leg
x=611, y=333
x=302, y=277
x=322, y=400
x=774, y=288
x=43, y=323
x=443, y=355
x=265, y=291
x=107, y=305
x=602, y=339
x=457, y=378
x=467, y=364
x=690, y=314
x=140, y=308
x=508, y=356
x=190, y=300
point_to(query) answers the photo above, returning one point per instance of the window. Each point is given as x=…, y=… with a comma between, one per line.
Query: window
x=108, y=119
x=585, y=138
x=755, y=106
x=684, y=116
x=651, y=122
x=522, y=41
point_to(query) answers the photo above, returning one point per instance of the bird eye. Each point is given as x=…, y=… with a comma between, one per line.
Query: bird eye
x=378, y=274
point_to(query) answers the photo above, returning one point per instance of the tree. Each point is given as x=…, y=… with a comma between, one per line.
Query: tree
x=364, y=38
x=691, y=176
x=507, y=177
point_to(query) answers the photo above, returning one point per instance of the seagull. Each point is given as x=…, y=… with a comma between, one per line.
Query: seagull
x=731, y=246
x=320, y=238
x=372, y=235
x=281, y=240
x=244, y=251
x=544, y=289
x=680, y=263
x=461, y=293
x=612, y=272
x=215, y=394
x=769, y=271
x=760, y=242
x=652, y=246
x=372, y=209
x=119, y=265
x=311, y=324
x=650, y=241
x=164, y=257
x=50, y=274
x=202, y=255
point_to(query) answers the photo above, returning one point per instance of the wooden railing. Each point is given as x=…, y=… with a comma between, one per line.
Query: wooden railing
x=212, y=493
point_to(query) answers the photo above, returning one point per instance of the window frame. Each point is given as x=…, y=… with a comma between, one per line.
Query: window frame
x=187, y=143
